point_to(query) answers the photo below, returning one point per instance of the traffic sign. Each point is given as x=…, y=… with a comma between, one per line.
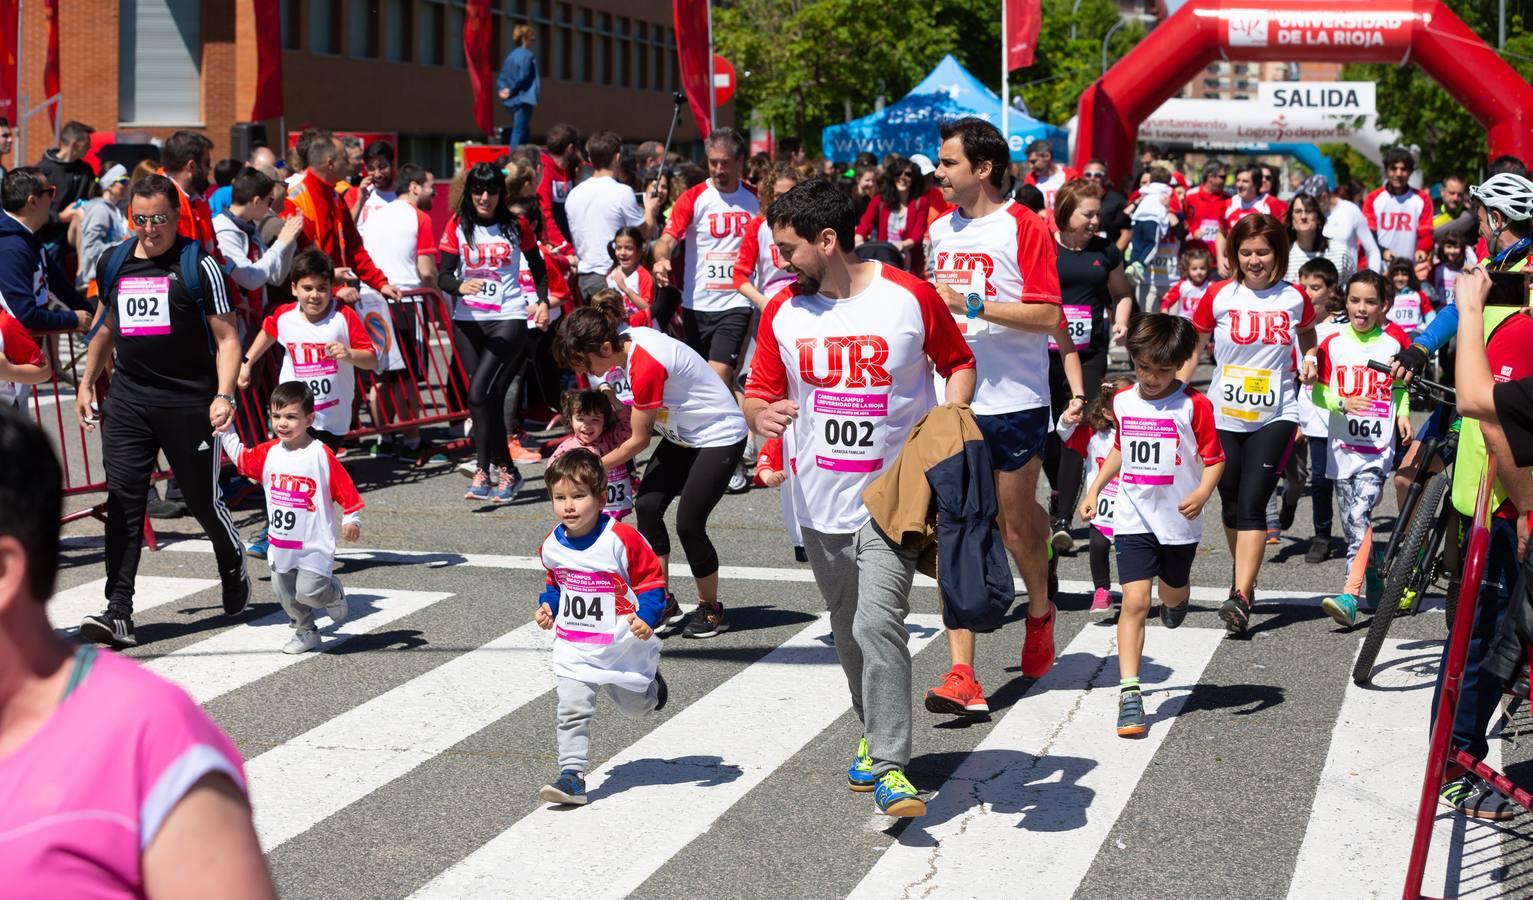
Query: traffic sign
x=723, y=81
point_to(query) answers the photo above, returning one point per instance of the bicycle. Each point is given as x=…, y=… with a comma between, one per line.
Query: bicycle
x=1412, y=562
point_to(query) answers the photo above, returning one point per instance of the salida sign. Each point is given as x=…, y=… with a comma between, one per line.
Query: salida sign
x=1318, y=29
x=1346, y=98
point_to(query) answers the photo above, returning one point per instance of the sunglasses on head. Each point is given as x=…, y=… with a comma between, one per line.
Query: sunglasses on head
x=153, y=219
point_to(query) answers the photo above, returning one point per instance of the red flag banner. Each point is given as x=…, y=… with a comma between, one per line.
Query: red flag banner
x=51, y=60
x=268, y=83
x=8, y=85
x=476, y=52
x=1023, y=20
x=695, y=56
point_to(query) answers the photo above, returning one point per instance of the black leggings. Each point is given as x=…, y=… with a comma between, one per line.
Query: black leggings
x=491, y=353
x=1065, y=470
x=699, y=476
x=1101, y=556
x=1253, y=460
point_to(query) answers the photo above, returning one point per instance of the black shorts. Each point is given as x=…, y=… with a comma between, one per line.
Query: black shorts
x=329, y=439
x=1014, y=438
x=1142, y=557
x=717, y=336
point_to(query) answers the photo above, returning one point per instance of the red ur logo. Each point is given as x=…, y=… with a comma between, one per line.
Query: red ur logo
x=1361, y=381
x=1395, y=221
x=966, y=262
x=487, y=255
x=860, y=359
x=1246, y=326
x=728, y=224
x=306, y=354
x=295, y=487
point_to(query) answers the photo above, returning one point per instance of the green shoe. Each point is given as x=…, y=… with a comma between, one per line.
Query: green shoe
x=859, y=776
x=896, y=796
x=1342, y=608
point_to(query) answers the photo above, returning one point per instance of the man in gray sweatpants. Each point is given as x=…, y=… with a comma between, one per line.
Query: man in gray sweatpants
x=877, y=335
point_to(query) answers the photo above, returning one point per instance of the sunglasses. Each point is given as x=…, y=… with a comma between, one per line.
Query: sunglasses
x=475, y=190
x=48, y=191
x=1095, y=176
x=155, y=219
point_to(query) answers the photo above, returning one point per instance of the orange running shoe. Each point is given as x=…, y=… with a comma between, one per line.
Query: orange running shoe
x=520, y=454
x=1038, y=646
x=958, y=695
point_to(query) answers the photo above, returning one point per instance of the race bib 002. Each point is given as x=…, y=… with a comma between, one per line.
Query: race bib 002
x=849, y=429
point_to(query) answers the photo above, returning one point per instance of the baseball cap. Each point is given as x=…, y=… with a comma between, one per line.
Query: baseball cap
x=1315, y=185
x=924, y=163
x=113, y=175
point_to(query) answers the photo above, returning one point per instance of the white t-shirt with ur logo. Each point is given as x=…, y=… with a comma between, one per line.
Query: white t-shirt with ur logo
x=712, y=225
x=494, y=259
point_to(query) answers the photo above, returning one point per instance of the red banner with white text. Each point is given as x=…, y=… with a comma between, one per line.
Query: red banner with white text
x=695, y=55
x=1024, y=18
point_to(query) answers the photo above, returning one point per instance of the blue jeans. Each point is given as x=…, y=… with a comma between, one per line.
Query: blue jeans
x=515, y=134
x=1477, y=705
x=1143, y=240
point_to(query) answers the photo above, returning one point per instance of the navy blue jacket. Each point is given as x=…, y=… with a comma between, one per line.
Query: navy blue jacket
x=519, y=75
x=26, y=276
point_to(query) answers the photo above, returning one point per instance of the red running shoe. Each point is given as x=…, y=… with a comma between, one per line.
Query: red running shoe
x=1038, y=646
x=958, y=695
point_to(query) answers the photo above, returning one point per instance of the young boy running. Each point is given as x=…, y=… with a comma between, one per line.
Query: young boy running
x=1168, y=453
x=604, y=596
x=302, y=480
x=1367, y=412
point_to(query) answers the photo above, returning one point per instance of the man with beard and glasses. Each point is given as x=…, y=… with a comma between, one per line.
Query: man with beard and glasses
x=186, y=161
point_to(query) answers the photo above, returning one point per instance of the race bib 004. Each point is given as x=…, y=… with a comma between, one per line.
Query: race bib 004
x=587, y=607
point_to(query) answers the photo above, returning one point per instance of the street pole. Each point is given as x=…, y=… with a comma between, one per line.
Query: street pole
x=1107, y=37
x=1076, y=11
x=1005, y=88
x=1501, y=33
x=20, y=110
x=713, y=112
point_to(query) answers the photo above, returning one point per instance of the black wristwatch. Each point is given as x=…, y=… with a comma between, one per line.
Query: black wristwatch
x=1080, y=397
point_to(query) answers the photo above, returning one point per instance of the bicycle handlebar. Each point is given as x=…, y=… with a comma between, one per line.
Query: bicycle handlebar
x=1419, y=385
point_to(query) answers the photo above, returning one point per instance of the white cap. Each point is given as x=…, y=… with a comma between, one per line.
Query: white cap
x=924, y=163
x=113, y=175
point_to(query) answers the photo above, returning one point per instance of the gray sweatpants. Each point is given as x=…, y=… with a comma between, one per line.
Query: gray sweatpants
x=577, y=704
x=301, y=592
x=866, y=584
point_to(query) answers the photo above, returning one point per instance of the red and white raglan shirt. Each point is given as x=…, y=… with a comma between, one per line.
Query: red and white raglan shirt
x=1165, y=445
x=1183, y=297
x=1362, y=440
x=1093, y=446
x=19, y=349
x=1410, y=310
x=1050, y=186
x=640, y=281
x=712, y=225
x=1236, y=209
x=1205, y=215
x=1014, y=260
x=559, y=293
x=595, y=584
x=494, y=257
x=553, y=191
x=1315, y=422
x=306, y=359
x=302, y=487
x=1255, y=338
x=860, y=369
x=692, y=408
x=1401, y=222
x=759, y=263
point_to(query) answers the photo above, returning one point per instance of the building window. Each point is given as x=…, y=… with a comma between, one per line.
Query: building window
x=624, y=77
x=292, y=17
x=585, y=56
x=397, y=20
x=641, y=51
x=430, y=34
x=324, y=29
x=363, y=36
x=159, y=62
x=455, y=37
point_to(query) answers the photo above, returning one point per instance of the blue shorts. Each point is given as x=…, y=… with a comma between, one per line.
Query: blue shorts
x=1014, y=438
x=1142, y=557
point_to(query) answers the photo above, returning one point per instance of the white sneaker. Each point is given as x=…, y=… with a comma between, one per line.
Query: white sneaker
x=340, y=610
x=302, y=641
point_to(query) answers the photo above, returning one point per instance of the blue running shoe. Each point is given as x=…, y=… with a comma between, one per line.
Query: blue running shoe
x=859, y=776
x=568, y=790
x=480, y=488
x=1342, y=608
x=896, y=796
x=505, y=489
x=1131, y=714
x=259, y=546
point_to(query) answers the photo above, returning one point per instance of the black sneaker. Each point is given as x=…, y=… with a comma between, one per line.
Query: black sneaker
x=110, y=629
x=1061, y=540
x=1319, y=549
x=1172, y=616
x=1236, y=612
x=671, y=619
x=1471, y=797
x=236, y=594
x=662, y=691
x=706, y=622
x=165, y=508
x=800, y=554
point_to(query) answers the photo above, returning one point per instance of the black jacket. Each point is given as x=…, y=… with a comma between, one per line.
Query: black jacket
x=74, y=181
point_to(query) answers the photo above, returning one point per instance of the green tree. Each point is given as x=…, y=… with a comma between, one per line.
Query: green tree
x=1411, y=103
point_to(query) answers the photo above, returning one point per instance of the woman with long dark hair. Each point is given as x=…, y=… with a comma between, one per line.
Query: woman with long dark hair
x=483, y=251
x=898, y=213
x=1306, y=239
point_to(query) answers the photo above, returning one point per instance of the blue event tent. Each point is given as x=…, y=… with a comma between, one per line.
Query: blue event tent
x=910, y=125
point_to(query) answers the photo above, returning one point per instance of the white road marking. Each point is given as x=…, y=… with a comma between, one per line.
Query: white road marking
x=68, y=607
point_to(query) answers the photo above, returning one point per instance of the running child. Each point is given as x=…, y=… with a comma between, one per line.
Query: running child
x=1151, y=210
x=1368, y=411
x=1167, y=449
x=303, y=482
x=1319, y=280
x=630, y=275
x=1412, y=306
x=773, y=464
x=1093, y=439
x=1454, y=256
x=604, y=595
x=1196, y=265
x=595, y=425
x=325, y=343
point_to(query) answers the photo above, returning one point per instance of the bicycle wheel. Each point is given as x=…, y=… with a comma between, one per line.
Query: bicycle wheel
x=1410, y=565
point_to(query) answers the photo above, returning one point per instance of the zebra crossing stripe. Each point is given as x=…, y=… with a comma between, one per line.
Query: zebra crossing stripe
x=68, y=607
x=248, y=652
x=295, y=785
x=1359, y=830
x=681, y=777
x=1033, y=803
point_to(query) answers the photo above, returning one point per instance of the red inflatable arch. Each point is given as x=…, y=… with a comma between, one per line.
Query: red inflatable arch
x=1424, y=32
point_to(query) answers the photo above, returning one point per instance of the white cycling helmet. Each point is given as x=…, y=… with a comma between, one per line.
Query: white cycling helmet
x=1507, y=192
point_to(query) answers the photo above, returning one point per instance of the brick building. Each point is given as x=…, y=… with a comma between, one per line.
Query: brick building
x=154, y=66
